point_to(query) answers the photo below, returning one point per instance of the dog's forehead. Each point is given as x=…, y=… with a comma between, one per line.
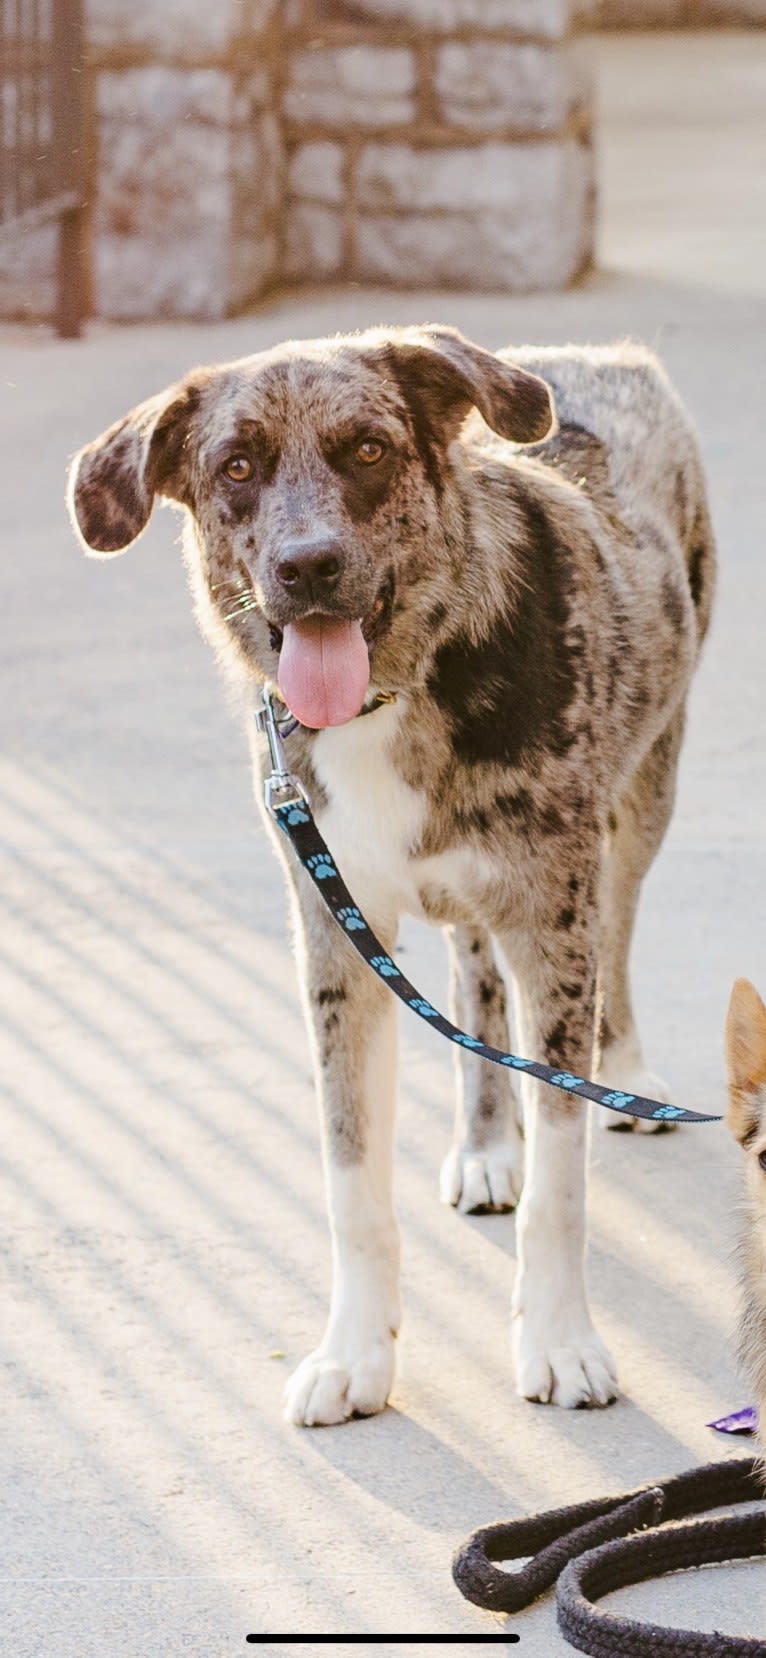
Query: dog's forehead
x=312, y=386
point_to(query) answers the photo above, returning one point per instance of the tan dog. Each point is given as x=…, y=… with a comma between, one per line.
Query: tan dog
x=746, y=1061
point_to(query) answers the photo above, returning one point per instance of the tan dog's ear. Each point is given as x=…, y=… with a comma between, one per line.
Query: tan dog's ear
x=453, y=375
x=113, y=481
x=745, y=1059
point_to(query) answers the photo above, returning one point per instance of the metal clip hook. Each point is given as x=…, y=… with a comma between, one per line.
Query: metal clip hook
x=280, y=788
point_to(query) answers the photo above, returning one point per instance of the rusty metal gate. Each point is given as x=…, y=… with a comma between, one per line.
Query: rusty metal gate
x=42, y=149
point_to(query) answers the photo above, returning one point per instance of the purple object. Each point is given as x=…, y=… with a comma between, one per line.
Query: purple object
x=740, y=1421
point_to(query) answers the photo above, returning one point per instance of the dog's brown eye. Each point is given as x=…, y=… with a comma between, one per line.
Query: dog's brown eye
x=369, y=451
x=762, y=1160
x=238, y=468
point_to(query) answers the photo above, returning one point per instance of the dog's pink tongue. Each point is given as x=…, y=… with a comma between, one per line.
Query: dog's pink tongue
x=324, y=670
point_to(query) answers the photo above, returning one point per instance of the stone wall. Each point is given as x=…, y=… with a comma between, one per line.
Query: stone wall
x=241, y=144
x=442, y=142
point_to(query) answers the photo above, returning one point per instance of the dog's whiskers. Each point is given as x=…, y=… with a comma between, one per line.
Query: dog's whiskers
x=239, y=594
x=246, y=603
x=236, y=587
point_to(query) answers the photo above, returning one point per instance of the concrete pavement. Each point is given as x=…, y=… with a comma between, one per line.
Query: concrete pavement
x=163, y=1247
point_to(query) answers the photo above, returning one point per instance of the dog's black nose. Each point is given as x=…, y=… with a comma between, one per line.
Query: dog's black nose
x=310, y=569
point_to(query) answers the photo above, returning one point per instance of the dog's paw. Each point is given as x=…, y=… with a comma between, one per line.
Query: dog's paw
x=575, y=1372
x=329, y=1387
x=631, y=1077
x=476, y=1182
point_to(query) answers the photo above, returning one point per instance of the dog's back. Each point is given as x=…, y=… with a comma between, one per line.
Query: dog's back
x=647, y=458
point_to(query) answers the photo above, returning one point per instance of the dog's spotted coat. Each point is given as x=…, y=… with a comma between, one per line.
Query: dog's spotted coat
x=537, y=612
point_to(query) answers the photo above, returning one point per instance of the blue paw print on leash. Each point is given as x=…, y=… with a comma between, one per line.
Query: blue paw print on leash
x=425, y=1009
x=562, y=1079
x=467, y=1041
x=665, y=1112
x=385, y=967
x=618, y=1100
x=352, y=920
x=293, y=815
x=515, y=1062
x=321, y=866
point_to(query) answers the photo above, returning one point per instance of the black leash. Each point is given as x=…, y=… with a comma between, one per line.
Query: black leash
x=593, y=1548
x=290, y=809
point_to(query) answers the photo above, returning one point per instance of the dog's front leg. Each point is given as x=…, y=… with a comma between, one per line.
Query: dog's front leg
x=559, y=1358
x=353, y=1022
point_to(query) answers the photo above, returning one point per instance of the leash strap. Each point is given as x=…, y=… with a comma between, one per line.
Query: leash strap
x=595, y=1547
x=291, y=811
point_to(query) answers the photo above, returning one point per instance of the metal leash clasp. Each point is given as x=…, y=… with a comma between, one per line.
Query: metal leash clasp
x=280, y=788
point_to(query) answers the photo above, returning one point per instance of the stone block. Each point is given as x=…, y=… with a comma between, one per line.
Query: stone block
x=486, y=85
x=163, y=150
x=367, y=86
x=174, y=30
x=173, y=179
x=140, y=278
x=28, y=274
x=316, y=171
x=495, y=176
x=526, y=224
x=314, y=245
x=543, y=19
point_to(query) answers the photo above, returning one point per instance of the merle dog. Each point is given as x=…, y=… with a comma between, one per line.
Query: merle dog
x=396, y=511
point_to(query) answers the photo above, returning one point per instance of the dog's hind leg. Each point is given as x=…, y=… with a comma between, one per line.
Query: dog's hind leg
x=483, y=1169
x=637, y=825
x=559, y=1357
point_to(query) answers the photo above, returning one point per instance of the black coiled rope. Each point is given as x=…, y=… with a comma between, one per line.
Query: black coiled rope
x=592, y=1548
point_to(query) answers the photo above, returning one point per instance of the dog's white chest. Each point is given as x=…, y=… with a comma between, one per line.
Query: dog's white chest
x=373, y=821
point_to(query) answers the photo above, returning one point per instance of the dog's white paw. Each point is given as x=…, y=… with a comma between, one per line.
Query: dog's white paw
x=490, y=1179
x=572, y=1369
x=631, y=1077
x=330, y=1386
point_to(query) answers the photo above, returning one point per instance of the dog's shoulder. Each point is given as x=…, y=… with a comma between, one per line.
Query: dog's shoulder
x=575, y=454
x=619, y=397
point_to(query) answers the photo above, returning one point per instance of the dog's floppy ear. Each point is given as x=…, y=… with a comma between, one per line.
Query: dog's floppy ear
x=113, y=481
x=453, y=375
x=746, y=1060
